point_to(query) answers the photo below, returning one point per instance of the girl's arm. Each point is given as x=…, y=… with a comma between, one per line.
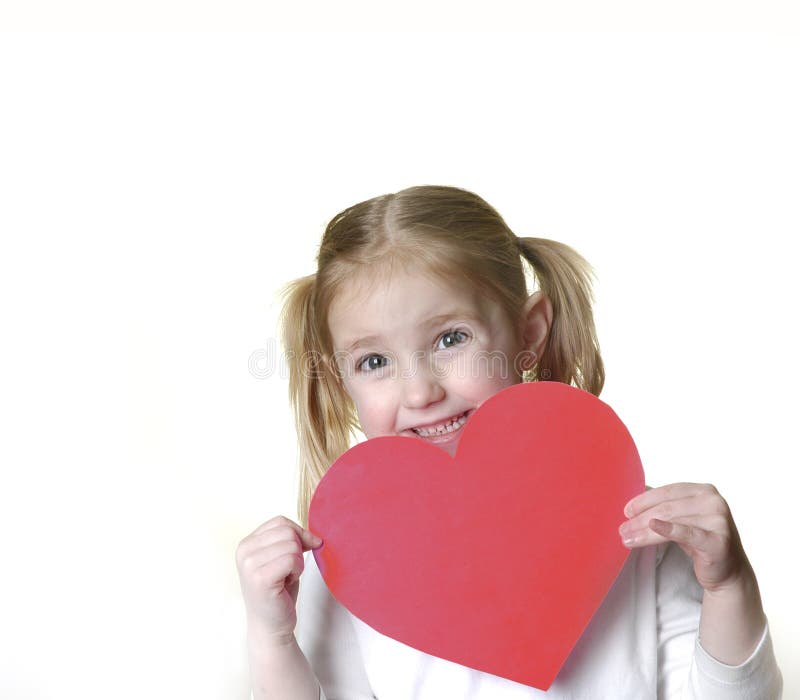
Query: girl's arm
x=734, y=649
x=270, y=562
x=698, y=520
x=732, y=620
x=685, y=669
x=279, y=670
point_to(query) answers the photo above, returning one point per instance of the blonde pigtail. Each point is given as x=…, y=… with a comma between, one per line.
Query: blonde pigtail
x=572, y=353
x=323, y=413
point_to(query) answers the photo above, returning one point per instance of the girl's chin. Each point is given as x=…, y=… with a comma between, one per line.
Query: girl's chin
x=450, y=447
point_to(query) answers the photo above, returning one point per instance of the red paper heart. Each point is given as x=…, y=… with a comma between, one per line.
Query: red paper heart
x=428, y=550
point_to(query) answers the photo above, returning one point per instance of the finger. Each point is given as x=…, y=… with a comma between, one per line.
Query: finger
x=279, y=531
x=308, y=539
x=279, y=566
x=269, y=556
x=277, y=521
x=670, y=492
x=671, y=510
x=283, y=571
x=645, y=535
x=276, y=535
x=295, y=571
x=696, y=538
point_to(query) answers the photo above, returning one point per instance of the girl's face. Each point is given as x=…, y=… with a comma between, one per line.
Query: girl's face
x=418, y=357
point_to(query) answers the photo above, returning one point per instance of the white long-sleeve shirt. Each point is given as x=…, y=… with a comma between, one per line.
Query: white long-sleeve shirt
x=641, y=643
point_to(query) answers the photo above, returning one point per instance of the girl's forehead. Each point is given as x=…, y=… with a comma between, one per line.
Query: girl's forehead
x=400, y=302
x=398, y=287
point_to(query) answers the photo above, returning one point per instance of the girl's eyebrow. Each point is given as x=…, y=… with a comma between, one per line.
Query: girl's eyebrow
x=432, y=321
x=470, y=315
x=366, y=340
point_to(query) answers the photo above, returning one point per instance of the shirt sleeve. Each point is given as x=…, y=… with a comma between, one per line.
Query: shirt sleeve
x=686, y=671
x=756, y=677
x=326, y=636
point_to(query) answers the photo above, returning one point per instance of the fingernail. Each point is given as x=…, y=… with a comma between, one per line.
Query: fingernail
x=628, y=510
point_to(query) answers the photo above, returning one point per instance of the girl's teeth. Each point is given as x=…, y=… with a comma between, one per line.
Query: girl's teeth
x=442, y=429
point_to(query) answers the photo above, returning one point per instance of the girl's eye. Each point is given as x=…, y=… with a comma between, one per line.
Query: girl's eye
x=371, y=363
x=451, y=338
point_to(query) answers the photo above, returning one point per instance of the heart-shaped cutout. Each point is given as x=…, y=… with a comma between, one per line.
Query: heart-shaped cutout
x=495, y=559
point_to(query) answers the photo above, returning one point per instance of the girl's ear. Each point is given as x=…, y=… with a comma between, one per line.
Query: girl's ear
x=537, y=317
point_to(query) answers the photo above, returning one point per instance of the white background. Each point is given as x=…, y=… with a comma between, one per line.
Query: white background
x=157, y=189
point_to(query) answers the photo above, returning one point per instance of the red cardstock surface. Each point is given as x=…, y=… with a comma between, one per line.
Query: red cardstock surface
x=495, y=559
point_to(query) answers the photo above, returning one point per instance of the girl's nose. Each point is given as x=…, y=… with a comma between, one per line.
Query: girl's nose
x=420, y=388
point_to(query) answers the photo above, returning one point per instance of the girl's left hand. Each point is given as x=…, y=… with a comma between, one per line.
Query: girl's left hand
x=698, y=519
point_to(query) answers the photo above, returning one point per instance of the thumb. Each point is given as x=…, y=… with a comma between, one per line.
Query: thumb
x=309, y=540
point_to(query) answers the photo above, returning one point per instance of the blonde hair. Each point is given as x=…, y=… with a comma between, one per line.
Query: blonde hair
x=442, y=231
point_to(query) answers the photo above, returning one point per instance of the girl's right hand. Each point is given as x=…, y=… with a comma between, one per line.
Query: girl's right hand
x=270, y=561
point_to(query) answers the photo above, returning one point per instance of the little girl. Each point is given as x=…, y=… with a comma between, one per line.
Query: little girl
x=411, y=289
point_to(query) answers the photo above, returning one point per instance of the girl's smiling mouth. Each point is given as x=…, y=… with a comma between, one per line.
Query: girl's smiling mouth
x=443, y=430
